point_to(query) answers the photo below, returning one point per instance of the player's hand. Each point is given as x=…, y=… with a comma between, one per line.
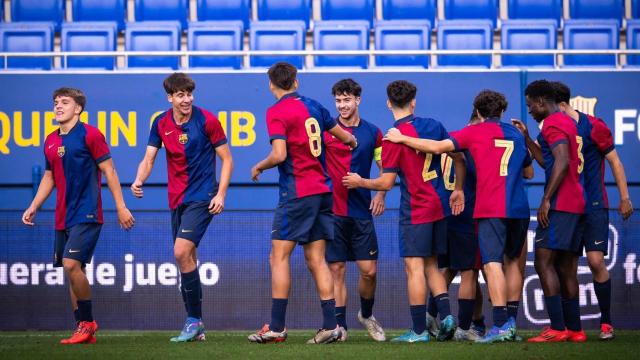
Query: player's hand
x=456, y=202
x=29, y=215
x=351, y=181
x=125, y=218
x=377, y=204
x=255, y=172
x=521, y=126
x=216, y=205
x=625, y=208
x=394, y=135
x=543, y=213
x=136, y=189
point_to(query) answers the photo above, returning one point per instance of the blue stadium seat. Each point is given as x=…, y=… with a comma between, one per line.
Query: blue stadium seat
x=403, y=35
x=153, y=36
x=99, y=10
x=465, y=35
x=471, y=9
x=89, y=36
x=528, y=35
x=635, y=9
x=536, y=10
x=26, y=37
x=633, y=41
x=597, y=9
x=216, y=10
x=162, y=10
x=348, y=10
x=284, y=10
x=593, y=35
x=212, y=36
x=38, y=10
x=341, y=35
x=409, y=9
x=277, y=35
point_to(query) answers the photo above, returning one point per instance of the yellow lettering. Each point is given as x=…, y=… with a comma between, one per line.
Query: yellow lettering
x=128, y=129
x=84, y=117
x=222, y=117
x=50, y=125
x=102, y=122
x=18, y=132
x=5, y=126
x=238, y=128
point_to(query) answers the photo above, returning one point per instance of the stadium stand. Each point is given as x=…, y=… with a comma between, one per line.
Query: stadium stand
x=153, y=36
x=89, y=36
x=635, y=9
x=633, y=41
x=597, y=9
x=403, y=35
x=162, y=10
x=348, y=10
x=277, y=35
x=341, y=35
x=536, y=9
x=409, y=9
x=38, y=10
x=528, y=35
x=216, y=10
x=465, y=35
x=27, y=37
x=99, y=10
x=284, y=10
x=590, y=34
x=471, y=10
x=212, y=36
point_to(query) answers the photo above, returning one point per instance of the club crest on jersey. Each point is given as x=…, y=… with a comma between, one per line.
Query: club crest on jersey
x=584, y=105
x=60, y=151
x=183, y=138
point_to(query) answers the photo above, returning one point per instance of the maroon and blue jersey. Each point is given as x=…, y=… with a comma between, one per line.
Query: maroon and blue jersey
x=341, y=159
x=499, y=152
x=423, y=196
x=463, y=222
x=558, y=129
x=73, y=160
x=191, y=157
x=598, y=142
x=300, y=121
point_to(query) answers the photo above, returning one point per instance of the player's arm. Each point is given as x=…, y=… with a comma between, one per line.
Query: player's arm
x=625, y=208
x=344, y=136
x=277, y=155
x=558, y=172
x=456, y=200
x=144, y=170
x=534, y=148
x=125, y=218
x=528, y=172
x=217, y=203
x=424, y=145
x=44, y=190
x=377, y=203
x=382, y=183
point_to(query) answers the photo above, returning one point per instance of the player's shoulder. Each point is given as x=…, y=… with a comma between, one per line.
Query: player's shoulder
x=160, y=117
x=90, y=130
x=596, y=121
x=370, y=126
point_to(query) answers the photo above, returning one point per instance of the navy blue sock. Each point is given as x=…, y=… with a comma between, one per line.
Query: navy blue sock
x=184, y=298
x=465, y=312
x=76, y=315
x=442, y=302
x=366, y=306
x=84, y=310
x=512, y=309
x=278, y=312
x=571, y=312
x=554, y=308
x=603, y=293
x=479, y=323
x=419, y=318
x=432, y=308
x=341, y=316
x=191, y=285
x=499, y=315
x=328, y=314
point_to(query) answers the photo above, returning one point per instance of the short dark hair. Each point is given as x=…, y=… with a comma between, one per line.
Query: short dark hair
x=346, y=87
x=178, y=82
x=490, y=104
x=541, y=89
x=563, y=93
x=76, y=94
x=282, y=74
x=401, y=92
x=474, y=116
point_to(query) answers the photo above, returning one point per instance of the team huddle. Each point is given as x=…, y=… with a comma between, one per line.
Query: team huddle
x=463, y=207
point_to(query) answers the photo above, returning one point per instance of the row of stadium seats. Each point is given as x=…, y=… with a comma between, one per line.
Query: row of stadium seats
x=327, y=35
x=217, y=10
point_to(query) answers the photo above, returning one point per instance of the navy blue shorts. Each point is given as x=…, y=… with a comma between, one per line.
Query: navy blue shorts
x=190, y=221
x=304, y=219
x=423, y=240
x=501, y=237
x=462, y=251
x=595, y=231
x=563, y=232
x=77, y=242
x=353, y=239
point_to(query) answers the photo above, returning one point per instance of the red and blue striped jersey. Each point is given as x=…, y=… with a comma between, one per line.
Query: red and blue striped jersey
x=73, y=159
x=341, y=159
x=300, y=121
x=191, y=157
x=423, y=196
x=558, y=129
x=500, y=154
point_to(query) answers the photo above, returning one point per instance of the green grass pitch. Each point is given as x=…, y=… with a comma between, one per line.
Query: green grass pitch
x=225, y=344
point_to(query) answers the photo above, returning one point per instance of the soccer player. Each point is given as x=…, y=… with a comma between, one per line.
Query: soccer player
x=295, y=124
x=354, y=234
x=502, y=162
x=76, y=155
x=192, y=138
x=424, y=204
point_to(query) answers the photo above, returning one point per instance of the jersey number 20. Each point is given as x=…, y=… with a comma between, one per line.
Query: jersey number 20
x=314, y=133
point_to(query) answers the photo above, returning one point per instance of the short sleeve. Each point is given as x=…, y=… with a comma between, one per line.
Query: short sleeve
x=553, y=135
x=391, y=157
x=97, y=145
x=462, y=138
x=276, y=126
x=47, y=164
x=601, y=136
x=154, y=135
x=214, y=131
x=444, y=135
x=327, y=121
x=377, y=150
x=527, y=158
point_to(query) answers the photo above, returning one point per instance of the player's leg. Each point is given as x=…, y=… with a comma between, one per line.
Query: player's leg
x=514, y=260
x=367, y=291
x=338, y=252
x=466, y=303
x=567, y=267
x=338, y=272
x=417, y=292
x=478, y=326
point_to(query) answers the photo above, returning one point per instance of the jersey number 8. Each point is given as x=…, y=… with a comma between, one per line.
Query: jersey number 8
x=314, y=133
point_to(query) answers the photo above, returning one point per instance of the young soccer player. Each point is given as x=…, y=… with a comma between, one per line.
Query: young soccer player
x=192, y=138
x=303, y=216
x=76, y=155
x=354, y=234
x=501, y=209
x=424, y=204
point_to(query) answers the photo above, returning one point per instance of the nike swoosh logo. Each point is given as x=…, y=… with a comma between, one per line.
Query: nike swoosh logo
x=538, y=240
x=73, y=251
x=373, y=252
x=168, y=132
x=272, y=231
x=50, y=146
x=187, y=231
x=598, y=242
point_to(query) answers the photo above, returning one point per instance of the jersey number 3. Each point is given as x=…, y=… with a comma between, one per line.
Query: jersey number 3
x=314, y=133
